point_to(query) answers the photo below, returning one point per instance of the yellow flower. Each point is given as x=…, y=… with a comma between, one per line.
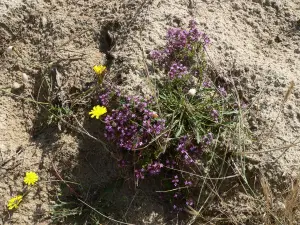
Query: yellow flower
x=99, y=69
x=14, y=202
x=98, y=111
x=31, y=178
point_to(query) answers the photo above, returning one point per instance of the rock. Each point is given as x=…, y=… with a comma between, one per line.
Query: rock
x=297, y=50
x=298, y=25
x=277, y=5
x=267, y=3
x=278, y=39
x=16, y=86
x=44, y=21
x=25, y=78
x=236, y=6
x=10, y=49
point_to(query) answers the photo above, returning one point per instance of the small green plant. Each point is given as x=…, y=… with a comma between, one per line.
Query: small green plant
x=56, y=113
x=93, y=206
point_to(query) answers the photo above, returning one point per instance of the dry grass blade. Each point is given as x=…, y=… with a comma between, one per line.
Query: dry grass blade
x=292, y=202
x=289, y=91
x=268, y=199
x=287, y=95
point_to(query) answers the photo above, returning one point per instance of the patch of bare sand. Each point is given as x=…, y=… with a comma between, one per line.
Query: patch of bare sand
x=44, y=33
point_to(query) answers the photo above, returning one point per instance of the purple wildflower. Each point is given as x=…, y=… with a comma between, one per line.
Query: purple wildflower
x=177, y=70
x=215, y=115
x=104, y=99
x=187, y=183
x=222, y=91
x=174, y=57
x=189, y=202
x=175, y=181
x=188, y=150
x=155, y=168
x=207, y=139
x=122, y=163
x=139, y=173
x=133, y=126
x=156, y=55
x=206, y=84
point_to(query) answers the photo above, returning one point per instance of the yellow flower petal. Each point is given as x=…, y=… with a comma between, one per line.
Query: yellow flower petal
x=98, y=111
x=31, y=178
x=99, y=69
x=14, y=202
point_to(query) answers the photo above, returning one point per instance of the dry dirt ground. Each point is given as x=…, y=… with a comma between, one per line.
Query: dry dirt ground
x=255, y=46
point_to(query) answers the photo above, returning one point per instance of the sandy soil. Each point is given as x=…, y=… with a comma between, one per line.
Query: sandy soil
x=255, y=45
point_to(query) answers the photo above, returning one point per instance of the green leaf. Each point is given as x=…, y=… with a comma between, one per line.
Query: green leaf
x=198, y=137
x=230, y=113
x=179, y=131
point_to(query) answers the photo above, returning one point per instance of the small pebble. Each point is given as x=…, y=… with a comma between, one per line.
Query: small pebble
x=16, y=86
x=297, y=50
x=44, y=21
x=25, y=78
x=10, y=49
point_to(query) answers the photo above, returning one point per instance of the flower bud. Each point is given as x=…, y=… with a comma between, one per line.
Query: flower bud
x=192, y=92
x=154, y=115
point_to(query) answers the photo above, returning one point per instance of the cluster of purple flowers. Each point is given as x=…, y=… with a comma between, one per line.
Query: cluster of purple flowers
x=175, y=181
x=208, y=139
x=177, y=70
x=188, y=150
x=175, y=57
x=104, y=99
x=154, y=168
x=188, y=183
x=189, y=202
x=215, y=115
x=170, y=163
x=139, y=173
x=206, y=84
x=133, y=125
x=179, y=39
x=222, y=91
x=122, y=163
x=106, y=95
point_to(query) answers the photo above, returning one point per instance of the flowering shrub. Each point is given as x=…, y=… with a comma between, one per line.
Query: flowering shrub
x=176, y=142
